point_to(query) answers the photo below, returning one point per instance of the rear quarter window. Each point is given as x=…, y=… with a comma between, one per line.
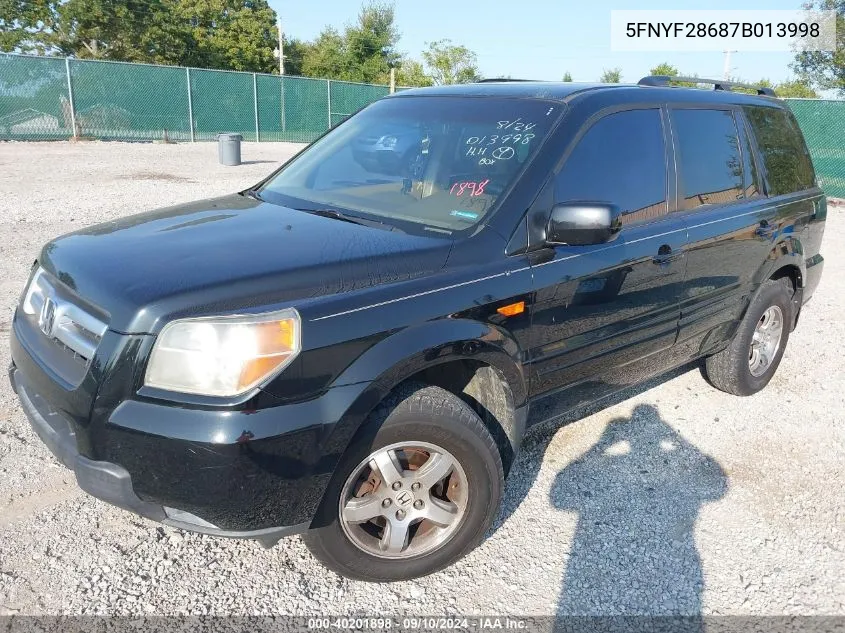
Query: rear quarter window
x=785, y=156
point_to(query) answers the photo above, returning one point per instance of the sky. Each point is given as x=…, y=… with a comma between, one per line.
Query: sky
x=540, y=39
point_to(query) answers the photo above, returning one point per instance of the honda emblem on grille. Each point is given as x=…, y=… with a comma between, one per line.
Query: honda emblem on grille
x=47, y=316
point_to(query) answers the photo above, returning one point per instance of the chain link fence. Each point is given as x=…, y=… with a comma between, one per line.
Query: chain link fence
x=48, y=98
x=823, y=124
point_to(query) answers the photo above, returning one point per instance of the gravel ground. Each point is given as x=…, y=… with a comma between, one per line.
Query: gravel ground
x=675, y=498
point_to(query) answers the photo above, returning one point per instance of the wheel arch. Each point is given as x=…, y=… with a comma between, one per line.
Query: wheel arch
x=478, y=362
x=786, y=258
x=785, y=261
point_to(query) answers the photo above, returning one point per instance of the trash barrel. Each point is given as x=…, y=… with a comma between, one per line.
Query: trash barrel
x=229, y=149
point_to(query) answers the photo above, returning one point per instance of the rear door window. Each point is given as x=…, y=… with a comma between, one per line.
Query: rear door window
x=709, y=157
x=788, y=165
x=621, y=160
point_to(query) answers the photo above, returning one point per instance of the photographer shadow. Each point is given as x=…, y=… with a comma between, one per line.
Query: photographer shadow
x=637, y=492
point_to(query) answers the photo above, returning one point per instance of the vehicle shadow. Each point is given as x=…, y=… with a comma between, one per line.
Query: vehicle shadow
x=637, y=493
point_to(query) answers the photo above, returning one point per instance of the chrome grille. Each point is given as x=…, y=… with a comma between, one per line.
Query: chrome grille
x=60, y=319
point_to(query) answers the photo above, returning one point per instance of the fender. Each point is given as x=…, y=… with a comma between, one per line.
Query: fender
x=411, y=350
x=787, y=251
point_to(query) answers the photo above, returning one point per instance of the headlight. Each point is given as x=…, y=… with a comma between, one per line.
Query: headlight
x=223, y=356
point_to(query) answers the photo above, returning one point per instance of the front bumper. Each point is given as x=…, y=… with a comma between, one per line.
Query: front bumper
x=113, y=483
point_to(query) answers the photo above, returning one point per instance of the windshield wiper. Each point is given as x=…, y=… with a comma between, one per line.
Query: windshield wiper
x=252, y=193
x=337, y=215
x=344, y=217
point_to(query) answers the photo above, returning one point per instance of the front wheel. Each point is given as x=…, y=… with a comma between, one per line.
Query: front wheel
x=414, y=498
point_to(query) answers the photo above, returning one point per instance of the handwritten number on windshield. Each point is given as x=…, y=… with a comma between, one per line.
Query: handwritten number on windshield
x=517, y=125
x=495, y=139
x=474, y=188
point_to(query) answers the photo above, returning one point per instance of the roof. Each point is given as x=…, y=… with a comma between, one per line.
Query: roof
x=525, y=89
x=564, y=91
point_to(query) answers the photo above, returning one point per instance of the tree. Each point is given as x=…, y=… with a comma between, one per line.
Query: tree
x=232, y=34
x=611, y=76
x=451, y=64
x=365, y=51
x=27, y=26
x=567, y=76
x=665, y=69
x=791, y=88
x=825, y=69
x=371, y=44
x=295, y=52
x=796, y=88
x=164, y=38
x=104, y=29
x=325, y=56
x=412, y=73
x=225, y=34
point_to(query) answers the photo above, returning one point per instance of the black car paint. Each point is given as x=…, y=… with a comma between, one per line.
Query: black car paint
x=379, y=307
x=230, y=253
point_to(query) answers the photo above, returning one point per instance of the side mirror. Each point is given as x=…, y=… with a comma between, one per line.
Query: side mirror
x=582, y=223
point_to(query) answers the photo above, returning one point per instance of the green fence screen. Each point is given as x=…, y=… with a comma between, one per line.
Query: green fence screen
x=34, y=99
x=129, y=101
x=823, y=124
x=44, y=98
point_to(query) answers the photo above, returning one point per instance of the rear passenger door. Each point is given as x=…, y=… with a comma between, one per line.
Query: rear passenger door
x=602, y=306
x=730, y=223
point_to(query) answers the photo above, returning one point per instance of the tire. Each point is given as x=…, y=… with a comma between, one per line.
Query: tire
x=732, y=370
x=414, y=416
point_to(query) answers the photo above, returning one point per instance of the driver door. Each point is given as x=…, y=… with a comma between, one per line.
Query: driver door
x=601, y=307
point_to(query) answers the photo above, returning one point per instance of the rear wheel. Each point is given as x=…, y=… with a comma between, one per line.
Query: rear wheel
x=416, y=496
x=749, y=362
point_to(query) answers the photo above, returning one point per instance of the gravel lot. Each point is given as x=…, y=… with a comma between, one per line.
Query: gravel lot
x=677, y=498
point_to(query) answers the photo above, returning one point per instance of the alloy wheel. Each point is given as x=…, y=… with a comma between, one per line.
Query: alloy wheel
x=765, y=341
x=404, y=500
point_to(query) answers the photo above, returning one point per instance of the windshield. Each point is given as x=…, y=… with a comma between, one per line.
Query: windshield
x=441, y=162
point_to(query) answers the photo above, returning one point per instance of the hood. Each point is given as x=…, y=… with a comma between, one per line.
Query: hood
x=228, y=254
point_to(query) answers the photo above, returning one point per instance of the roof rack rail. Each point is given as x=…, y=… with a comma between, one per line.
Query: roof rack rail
x=490, y=79
x=718, y=84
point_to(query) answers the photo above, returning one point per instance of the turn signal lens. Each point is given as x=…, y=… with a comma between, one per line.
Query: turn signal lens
x=223, y=356
x=512, y=309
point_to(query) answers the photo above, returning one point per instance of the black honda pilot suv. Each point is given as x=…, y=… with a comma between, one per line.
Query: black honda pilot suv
x=350, y=348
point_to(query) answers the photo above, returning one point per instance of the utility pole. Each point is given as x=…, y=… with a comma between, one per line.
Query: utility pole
x=392, y=80
x=727, y=69
x=281, y=49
